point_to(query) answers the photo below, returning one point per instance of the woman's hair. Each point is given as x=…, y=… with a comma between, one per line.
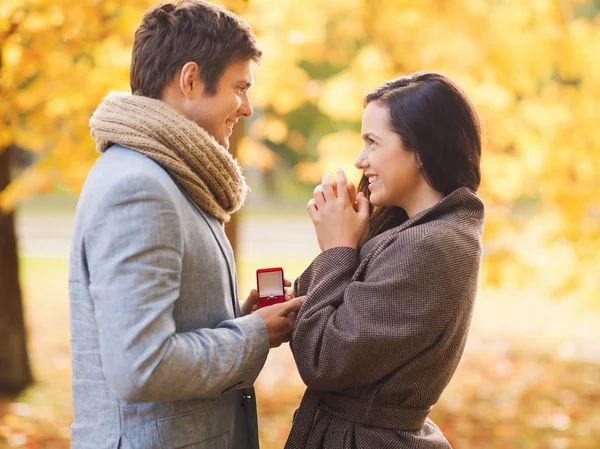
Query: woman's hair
x=173, y=34
x=435, y=120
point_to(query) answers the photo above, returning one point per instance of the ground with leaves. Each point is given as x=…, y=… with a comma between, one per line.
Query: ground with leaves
x=520, y=384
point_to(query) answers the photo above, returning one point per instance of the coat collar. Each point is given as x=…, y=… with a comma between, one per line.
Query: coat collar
x=462, y=202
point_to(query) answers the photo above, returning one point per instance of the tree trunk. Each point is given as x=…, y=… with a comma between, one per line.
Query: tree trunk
x=15, y=373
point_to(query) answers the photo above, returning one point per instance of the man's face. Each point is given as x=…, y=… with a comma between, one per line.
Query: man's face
x=219, y=112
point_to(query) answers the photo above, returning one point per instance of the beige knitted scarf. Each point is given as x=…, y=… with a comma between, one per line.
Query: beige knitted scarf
x=205, y=170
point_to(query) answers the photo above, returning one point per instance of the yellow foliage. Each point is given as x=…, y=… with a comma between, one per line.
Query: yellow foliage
x=335, y=150
x=275, y=129
x=296, y=141
x=279, y=86
x=28, y=184
x=530, y=68
x=6, y=138
x=342, y=98
x=58, y=59
x=252, y=153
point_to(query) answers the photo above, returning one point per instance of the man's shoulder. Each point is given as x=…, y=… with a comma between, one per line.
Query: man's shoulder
x=123, y=173
x=119, y=161
x=122, y=167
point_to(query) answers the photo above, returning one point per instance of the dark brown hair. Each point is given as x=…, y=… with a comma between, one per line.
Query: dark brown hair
x=434, y=119
x=173, y=34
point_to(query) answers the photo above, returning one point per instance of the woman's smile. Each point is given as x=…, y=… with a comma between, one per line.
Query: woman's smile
x=372, y=179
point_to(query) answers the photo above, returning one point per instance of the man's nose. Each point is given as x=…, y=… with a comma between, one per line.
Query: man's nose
x=246, y=107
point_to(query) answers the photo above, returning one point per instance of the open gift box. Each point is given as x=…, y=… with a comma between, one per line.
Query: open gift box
x=269, y=283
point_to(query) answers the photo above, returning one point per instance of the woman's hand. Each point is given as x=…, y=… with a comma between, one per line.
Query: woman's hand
x=250, y=305
x=338, y=220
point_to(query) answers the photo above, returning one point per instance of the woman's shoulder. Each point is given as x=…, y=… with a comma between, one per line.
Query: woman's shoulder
x=433, y=242
x=453, y=226
x=438, y=236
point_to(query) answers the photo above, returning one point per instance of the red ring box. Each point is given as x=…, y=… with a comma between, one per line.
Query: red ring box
x=269, y=282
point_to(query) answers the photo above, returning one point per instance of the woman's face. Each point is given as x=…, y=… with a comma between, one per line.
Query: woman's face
x=393, y=172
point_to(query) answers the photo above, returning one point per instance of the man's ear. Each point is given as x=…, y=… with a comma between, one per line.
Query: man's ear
x=189, y=81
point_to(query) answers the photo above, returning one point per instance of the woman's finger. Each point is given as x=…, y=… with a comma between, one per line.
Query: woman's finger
x=311, y=207
x=327, y=186
x=342, y=187
x=351, y=192
x=318, y=196
x=289, y=293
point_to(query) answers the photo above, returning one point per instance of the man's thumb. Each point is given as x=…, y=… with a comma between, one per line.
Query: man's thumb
x=293, y=305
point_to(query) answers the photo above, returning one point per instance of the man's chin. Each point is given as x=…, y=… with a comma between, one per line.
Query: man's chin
x=224, y=142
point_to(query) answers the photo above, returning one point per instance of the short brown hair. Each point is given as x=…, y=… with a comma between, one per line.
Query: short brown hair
x=173, y=34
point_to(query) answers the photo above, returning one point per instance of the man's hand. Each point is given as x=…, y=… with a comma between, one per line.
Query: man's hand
x=280, y=319
x=250, y=305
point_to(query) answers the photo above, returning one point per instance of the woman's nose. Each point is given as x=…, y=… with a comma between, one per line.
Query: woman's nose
x=361, y=160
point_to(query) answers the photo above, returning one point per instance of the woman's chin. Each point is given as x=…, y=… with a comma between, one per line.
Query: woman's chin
x=375, y=201
x=380, y=202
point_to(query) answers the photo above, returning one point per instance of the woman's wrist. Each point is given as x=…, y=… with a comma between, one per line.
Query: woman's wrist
x=340, y=245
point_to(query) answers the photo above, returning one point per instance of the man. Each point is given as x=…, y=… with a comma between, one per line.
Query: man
x=163, y=357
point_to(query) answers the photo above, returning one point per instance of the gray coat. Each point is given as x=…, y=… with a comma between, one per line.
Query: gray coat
x=159, y=358
x=382, y=330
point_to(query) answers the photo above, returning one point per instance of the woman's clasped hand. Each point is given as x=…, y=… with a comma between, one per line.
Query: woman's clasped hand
x=339, y=215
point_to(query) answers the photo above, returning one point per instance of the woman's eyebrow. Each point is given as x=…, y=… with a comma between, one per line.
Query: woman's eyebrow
x=368, y=136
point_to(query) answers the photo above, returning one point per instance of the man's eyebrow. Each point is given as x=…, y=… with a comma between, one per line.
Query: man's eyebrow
x=245, y=83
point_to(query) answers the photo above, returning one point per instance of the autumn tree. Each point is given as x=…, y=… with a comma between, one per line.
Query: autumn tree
x=15, y=373
x=529, y=67
x=57, y=60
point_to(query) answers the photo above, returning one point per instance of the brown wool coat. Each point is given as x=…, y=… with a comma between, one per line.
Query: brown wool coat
x=382, y=330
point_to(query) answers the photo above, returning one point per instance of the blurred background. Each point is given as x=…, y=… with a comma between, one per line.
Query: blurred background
x=530, y=377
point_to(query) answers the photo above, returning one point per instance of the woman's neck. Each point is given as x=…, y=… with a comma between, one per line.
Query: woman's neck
x=423, y=198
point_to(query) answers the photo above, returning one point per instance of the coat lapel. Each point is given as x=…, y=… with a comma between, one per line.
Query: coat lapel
x=227, y=251
x=461, y=198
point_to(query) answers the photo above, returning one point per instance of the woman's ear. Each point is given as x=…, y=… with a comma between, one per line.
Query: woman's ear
x=418, y=160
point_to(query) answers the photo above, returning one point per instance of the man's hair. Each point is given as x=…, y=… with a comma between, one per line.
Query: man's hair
x=173, y=34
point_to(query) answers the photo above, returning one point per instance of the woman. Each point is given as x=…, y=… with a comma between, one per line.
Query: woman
x=389, y=301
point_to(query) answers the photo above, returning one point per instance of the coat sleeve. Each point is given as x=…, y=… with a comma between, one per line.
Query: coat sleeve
x=353, y=333
x=134, y=250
